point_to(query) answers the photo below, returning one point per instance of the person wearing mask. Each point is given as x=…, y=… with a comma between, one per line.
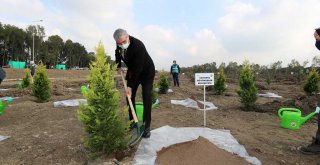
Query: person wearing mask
x=141, y=70
x=314, y=147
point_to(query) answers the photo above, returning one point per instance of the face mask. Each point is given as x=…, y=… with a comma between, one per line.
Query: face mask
x=125, y=46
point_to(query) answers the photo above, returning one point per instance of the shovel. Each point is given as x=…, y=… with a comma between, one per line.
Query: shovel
x=139, y=129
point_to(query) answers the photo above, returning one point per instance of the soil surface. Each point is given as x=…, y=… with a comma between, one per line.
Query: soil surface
x=42, y=134
x=199, y=151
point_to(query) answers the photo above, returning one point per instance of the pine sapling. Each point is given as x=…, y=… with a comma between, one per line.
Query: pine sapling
x=311, y=87
x=163, y=83
x=106, y=127
x=41, y=87
x=26, y=78
x=248, y=91
x=219, y=85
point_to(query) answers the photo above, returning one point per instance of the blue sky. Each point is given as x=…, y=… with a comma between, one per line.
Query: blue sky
x=191, y=32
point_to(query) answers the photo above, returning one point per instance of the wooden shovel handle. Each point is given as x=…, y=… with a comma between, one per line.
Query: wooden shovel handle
x=133, y=112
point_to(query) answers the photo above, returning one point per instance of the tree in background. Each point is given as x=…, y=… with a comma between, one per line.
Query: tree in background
x=68, y=53
x=106, y=128
x=297, y=70
x=163, y=83
x=222, y=65
x=75, y=55
x=55, y=49
x=274, y=69
x=316, y=61
x=219, y=85
x=248, y=91
x=17, y=44
x=232, y=69
x=311, y=87
x=12, y=42
x=41, y=87
x=38, y=33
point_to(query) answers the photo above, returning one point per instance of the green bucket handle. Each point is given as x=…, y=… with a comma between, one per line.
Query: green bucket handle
x=287, y=109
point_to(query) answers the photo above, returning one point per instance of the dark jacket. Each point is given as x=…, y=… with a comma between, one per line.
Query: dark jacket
x=318, y=44
x=2, y=75
x=139, y=63
x=33, y=69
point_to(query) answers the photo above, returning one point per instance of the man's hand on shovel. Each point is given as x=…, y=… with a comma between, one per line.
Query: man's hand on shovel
x=128, y=92
x=120, y=70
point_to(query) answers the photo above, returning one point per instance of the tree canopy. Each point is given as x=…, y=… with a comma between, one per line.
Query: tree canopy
x=17, y=44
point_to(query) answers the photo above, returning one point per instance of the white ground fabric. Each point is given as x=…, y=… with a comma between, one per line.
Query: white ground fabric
x=3, y=137
x=269, y=94
x=193, y=104
x=69, y=103
x=170, y=90
x=166, y=136
x=6, y=98
x=157, y=90
x=74, y=103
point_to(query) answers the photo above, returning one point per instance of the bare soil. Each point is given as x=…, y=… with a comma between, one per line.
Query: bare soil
x=199, y=151
x=42, y=134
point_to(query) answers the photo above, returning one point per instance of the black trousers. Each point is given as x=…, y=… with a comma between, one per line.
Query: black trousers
x=147, y=100
x=318, y=131
x=175, y=79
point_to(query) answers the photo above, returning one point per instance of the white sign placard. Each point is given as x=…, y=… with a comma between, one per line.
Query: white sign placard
x=204, y=79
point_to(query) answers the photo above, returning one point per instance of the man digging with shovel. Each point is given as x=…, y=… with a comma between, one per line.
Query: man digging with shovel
x=141, y=70
x=314, y=147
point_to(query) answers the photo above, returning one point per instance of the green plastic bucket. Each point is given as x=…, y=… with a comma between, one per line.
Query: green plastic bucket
x=4, y=104
x=20, y=86
x=290, y=118
x=83, y=89
x=139, y=110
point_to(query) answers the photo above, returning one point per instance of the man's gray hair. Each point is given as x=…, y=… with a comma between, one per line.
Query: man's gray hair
x=119, y=33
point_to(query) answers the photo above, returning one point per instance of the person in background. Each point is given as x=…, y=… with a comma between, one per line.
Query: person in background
x=33, y=68
x=141, y=70
x=314, y=147
x=2, y=75
x=175, y=70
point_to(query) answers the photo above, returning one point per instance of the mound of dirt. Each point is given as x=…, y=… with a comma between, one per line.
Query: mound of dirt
x=261, y=86
x=306, y=104
x=15, y=92
x=199, y=151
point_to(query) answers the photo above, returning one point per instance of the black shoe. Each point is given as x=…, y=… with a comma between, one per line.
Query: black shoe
x=312, y=149
x=146, y=133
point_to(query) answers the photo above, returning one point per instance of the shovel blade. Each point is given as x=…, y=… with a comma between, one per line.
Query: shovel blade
x=137, y=135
